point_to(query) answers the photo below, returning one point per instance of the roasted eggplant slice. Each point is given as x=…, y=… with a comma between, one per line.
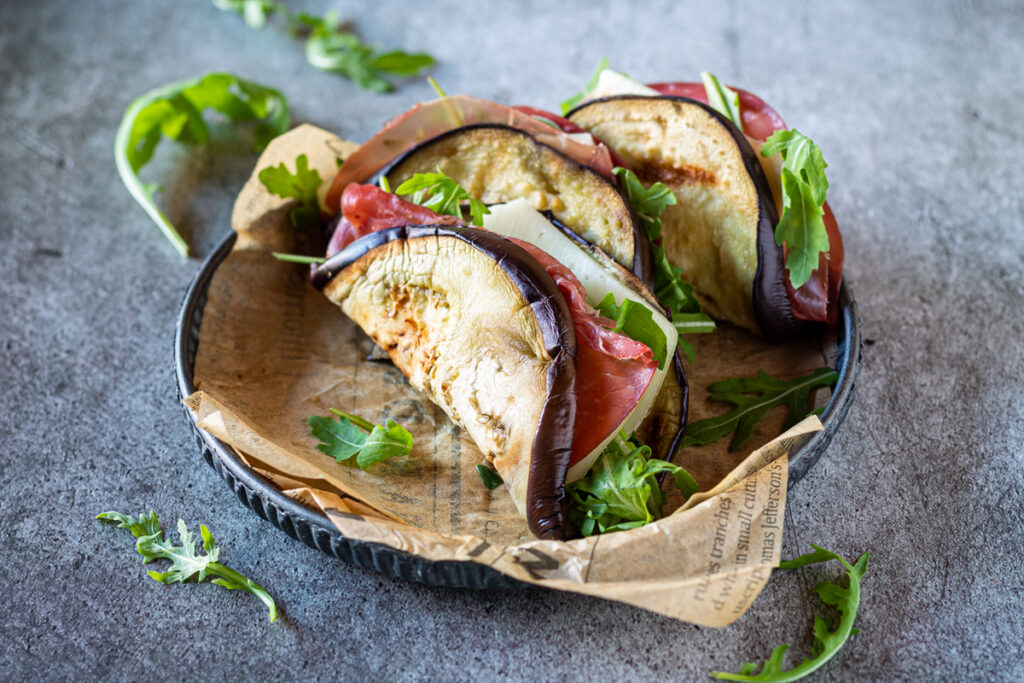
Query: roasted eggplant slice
x=721, y=231
x=496, y=164
x=475, y=323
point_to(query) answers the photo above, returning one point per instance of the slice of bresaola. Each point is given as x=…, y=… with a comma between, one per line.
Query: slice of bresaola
x=618, y=384
x=367, y=208
x=722, y=229
x=497, y=163
x=430, y=119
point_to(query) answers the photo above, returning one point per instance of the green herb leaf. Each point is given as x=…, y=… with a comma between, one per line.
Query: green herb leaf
x=360, y=422
x=675, y=293
x=591, y=84
x=819, y=555
x=340, y=439
x=636, y=322
x=443, y=195
x=753, y=398
x=401, y=63
x=846, y=599
x=647, y=203
x=301, y=185
x=621, y=490
x=255, y=12
x=804, y=185
x=175, y=111
x=186, y=563
x=330, y=47
x=722, y=99
x=489, y=477
x=385, y=441
x=347, y=436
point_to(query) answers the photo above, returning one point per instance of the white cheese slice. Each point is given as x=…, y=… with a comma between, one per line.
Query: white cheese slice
x=520, y=220
x=611, y=83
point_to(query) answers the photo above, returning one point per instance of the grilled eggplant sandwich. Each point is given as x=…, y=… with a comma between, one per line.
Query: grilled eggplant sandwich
x=724, y=230
x=497, y=324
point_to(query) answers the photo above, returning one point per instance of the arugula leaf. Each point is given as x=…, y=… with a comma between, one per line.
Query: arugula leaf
x=384, y=441
x=722, y=99
x=591, y=84
x=186, y=563
x=301, y=185
x=621, y=490
x=647, y=203
x=255, y=12
x=636, y=322
x=489, y=477
x=443, y=195
x=330, y=47
x=804, y=185
x=826, y=643
x=675, y=293
x=175, y=111
x=340, y=439
x=753, y=397
x=353, y=435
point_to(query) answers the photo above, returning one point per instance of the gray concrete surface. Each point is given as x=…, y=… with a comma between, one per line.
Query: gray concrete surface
x=918, y=108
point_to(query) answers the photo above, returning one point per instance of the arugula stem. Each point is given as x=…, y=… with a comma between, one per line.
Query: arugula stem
x=437, y=87
x=702, y=325
x=245, y=583
x=360, y=422
x=296, y=258
x=722, y=99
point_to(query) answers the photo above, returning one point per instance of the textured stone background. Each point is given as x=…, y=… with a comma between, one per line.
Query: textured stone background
x=918, y=108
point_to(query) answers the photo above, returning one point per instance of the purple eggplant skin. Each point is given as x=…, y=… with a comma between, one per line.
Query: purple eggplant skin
x=771, y=305
x=407, y=163
x=552, y=444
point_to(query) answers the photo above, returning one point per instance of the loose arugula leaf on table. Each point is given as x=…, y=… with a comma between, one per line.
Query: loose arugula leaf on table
x=330, y=47
x=722, y=99
x=175, y=111
x=591, y=84
x=675, y=293
x=186, y=563
x=636, y=322
x=753, y=397
x=443, y=195
x=826, y=643
x=351, y=435
x=301, y=185
x=489, y=477
x=804, y=185
x=621, y=490
x=255, y=12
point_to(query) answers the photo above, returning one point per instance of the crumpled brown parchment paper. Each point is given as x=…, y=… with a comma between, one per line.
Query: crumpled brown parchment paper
x=273, y=351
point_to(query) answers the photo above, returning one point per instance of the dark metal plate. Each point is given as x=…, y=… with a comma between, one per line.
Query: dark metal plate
x=314, y=529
